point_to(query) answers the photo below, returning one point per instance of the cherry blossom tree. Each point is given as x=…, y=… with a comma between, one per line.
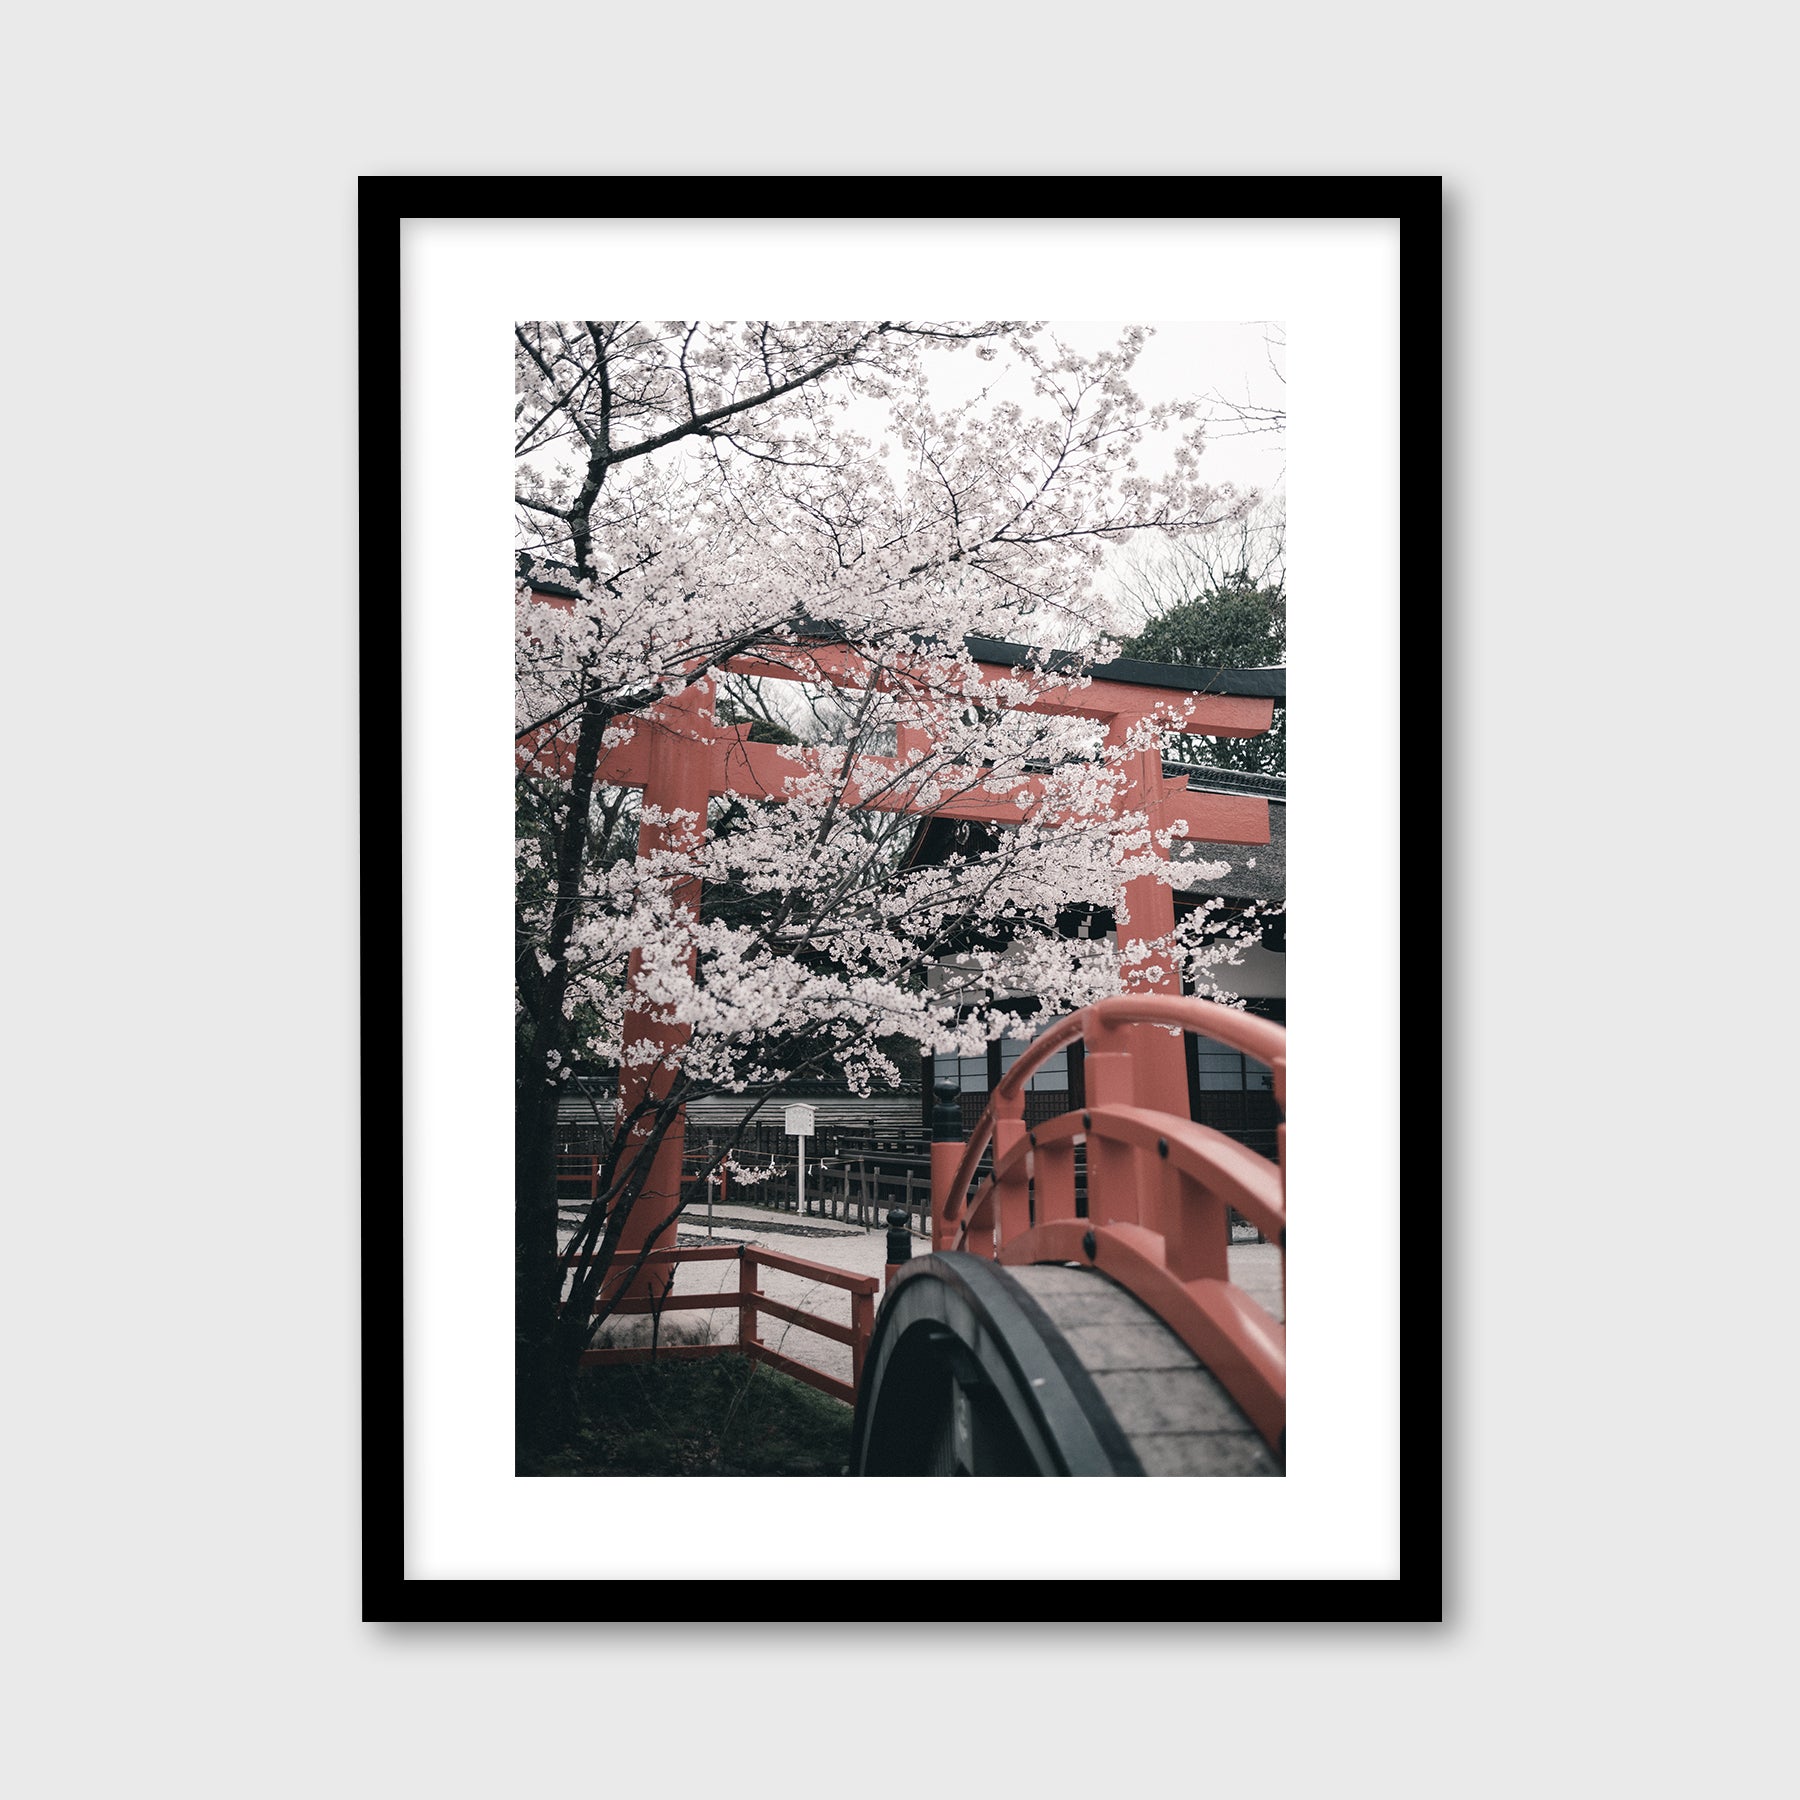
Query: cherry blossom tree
x=779, y=522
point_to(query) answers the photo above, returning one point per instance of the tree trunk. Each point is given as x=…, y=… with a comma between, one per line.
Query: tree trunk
x=539, y=1385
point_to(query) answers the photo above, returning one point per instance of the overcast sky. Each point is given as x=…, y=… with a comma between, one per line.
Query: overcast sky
x=1185, y=359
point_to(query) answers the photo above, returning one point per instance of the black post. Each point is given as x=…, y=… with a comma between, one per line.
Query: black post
x=946, y=1116
x=899, y=1245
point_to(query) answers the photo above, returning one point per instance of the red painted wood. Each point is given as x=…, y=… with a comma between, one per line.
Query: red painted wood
x=1206, y=715
x=1053, y=1168
x=650, y=1303
x=946, y=1196
x=1236, y=1339
x=828, y=1328
x=1159, y=1185
x=1209, y=1159
x=798, y=1265
x=826, y=1384
x=1012, y=1177
x=675, y=782
x=746, y=1304
x=734, y=765
x=862, y=1323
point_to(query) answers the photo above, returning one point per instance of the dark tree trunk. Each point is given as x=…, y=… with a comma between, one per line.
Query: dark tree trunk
x=540, y=1386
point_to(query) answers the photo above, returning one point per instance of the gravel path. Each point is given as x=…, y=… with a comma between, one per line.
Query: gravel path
x=1254, y=1267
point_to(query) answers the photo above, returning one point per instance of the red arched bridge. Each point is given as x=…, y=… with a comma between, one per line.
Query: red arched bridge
x=1077, y=1313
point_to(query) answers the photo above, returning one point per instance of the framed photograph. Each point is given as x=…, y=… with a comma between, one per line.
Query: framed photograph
x=846, y=875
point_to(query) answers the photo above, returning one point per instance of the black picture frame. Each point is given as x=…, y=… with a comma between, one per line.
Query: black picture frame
x=384, y=203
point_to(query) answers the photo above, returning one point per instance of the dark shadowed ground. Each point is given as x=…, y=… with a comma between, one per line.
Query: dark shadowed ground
x=718, y=1415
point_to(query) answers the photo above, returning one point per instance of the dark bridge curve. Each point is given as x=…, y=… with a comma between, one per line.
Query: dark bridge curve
x=978, y=1369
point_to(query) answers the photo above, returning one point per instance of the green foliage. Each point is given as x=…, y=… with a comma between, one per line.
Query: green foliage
x=715, y=1415
x=1234, y=625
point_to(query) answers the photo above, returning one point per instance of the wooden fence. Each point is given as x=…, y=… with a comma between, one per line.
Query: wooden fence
x=855, y=1189
x=749, y=1301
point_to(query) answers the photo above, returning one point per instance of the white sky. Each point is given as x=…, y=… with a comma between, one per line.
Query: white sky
x=1185, y=359
x=1182, y=360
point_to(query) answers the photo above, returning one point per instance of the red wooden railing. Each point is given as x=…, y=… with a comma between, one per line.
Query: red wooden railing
x=1160, y=1188
x=748, y=1301
x=572, y=1166
x=583, y=1169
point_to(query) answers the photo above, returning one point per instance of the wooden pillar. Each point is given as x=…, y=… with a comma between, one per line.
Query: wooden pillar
x=680, y=764
x=862, y=1323
x=946, y=1155
x=746, y=1301
x=1160, y=1073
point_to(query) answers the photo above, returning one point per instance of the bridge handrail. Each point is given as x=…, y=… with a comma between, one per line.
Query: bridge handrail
x=1259, y=1039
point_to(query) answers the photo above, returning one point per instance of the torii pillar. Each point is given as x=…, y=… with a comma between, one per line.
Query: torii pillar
x=678, y=779
x=1158, y=1077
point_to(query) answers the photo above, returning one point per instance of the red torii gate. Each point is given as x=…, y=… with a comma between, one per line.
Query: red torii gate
x=681, y=755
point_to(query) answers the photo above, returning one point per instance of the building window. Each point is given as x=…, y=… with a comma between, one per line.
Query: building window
x=1051, y=1078
x=968, y=1072
x=1222, y=1067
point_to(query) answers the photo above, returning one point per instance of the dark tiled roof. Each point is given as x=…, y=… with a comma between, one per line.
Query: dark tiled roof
x=1267, y=882
x=1187, y=678
x=1228, y=781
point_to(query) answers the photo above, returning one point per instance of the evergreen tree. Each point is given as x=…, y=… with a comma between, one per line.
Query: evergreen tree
x=1236, y=623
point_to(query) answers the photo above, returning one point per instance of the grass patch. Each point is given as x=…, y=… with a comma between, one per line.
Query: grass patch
x=715, y=1415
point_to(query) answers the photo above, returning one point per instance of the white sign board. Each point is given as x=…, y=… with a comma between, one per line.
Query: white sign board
x=800, y=1121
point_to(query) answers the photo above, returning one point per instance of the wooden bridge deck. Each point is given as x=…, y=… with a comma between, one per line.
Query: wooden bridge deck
x=1175, y=1415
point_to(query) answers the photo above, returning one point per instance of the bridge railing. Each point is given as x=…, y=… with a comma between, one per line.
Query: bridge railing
x=1159, y=1189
